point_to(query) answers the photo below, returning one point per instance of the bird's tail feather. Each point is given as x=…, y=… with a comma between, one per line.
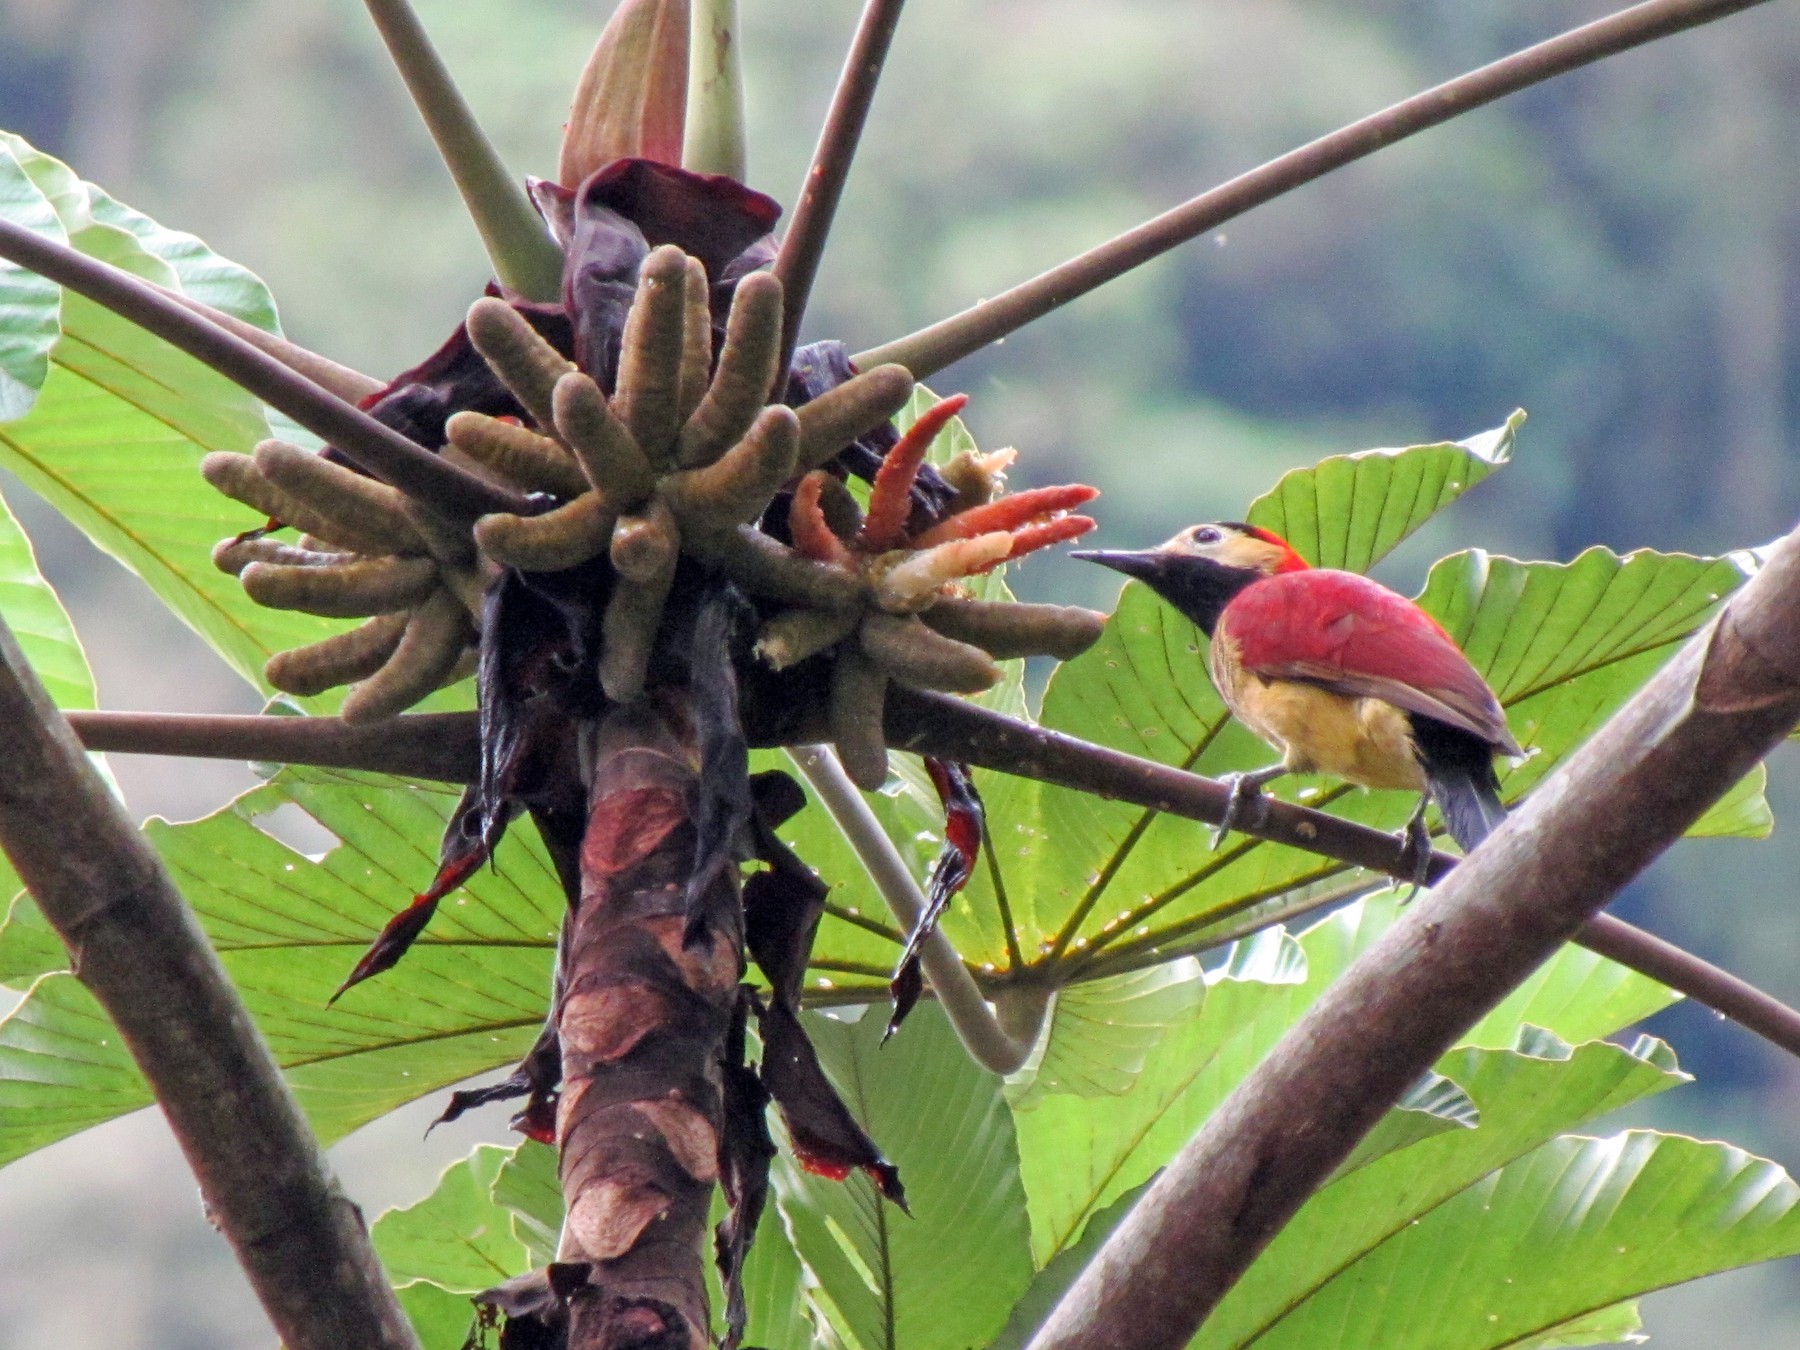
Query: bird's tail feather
x=1469, y=797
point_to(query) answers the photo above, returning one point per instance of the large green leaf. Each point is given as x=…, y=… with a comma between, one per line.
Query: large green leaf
x=457, y=1237
x=1572, y=1229
x=123, y=419
x=30, y=307
x=39, y=621
x=1350, y=511
x=469, y=997
x=1525, y=1099
x=1079, y=1154
x=946, y=1278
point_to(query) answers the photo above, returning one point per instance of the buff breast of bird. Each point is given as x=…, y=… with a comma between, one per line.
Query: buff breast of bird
x=1338, y=673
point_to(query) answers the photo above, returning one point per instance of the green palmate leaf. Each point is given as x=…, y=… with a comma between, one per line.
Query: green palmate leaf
x=30, y=307
x=1617, y=1325
x=1350, y=511
x=62, y=1068
x=528, y=1186
x=1433, y=1105
x=458, y=1237
x=469, y=997
x=1564, y=1234
x=443, y=1320
x=39, y=622
x=946, y=1278
x=1525, y=1100
x=1101, y=1032
x=117, y=433
x=1080, y=1154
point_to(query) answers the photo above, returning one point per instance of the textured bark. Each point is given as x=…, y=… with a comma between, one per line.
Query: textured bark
x=651, y=983
x=137, y=947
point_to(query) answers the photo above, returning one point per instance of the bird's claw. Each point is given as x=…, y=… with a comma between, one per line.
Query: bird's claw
x=1245, y=788
x=1415, y=848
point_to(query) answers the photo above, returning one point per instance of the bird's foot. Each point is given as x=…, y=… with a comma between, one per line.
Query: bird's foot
x=1415, y=851
x=1246, y=788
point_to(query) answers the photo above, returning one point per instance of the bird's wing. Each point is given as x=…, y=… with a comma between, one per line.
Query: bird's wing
x=1352, y=635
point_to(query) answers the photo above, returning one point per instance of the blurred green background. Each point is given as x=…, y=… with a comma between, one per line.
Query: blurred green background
x=1612, y=252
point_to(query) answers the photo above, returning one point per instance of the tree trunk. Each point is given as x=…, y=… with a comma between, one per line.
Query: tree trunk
x=648, y=1001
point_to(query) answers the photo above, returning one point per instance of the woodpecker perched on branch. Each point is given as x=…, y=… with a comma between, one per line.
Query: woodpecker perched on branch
x=1340, y=674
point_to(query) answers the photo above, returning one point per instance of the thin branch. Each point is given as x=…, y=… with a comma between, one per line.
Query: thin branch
x=525, y=257
x=441, y=746
x=931, y=349
x=1728, y=698
x=138, y=949
x=379, y=449
x=1700, y=980
x=444, y=746
x=713, y=135
x=975, y=1023
x=350, y=385
x=802, y=247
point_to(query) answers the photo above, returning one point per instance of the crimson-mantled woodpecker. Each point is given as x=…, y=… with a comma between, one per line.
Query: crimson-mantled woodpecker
x=1340, y=674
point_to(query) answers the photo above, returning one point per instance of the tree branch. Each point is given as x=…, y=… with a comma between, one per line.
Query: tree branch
x=803, y=246
x=137, y=947
x=382, y=451
x=1728, y=698
x=340, y=380
x=444, y=746
x=931, y=349
x=525, y=257
x=976, y=1026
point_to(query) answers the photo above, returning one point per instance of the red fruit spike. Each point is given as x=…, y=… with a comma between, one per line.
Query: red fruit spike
x=813, y=537
x=1033, y=537
x=890, y=503
x=1007, y=513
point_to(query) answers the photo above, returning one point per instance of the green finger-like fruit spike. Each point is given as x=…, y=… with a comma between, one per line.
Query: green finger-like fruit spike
x=696, y=342
x=746, y=373
x=1013, y=629
x=610, y=459
x=233, y=555
x=795, y=634
x=427, y=654
x=469, y=582
x=238, y=477
x=342, y=659
x=858, y=699
x=342, y=590
x=736, y=488
x=644, y=546
x=650, y=352
x=766, y=567
x=518, y=455
x=628, y=632
x=855, y=408
x=915, y=655
x=565, y=537
x=518, y=354
x=366, y=508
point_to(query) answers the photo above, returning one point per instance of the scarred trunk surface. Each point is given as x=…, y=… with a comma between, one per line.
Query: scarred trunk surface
x=651, y=983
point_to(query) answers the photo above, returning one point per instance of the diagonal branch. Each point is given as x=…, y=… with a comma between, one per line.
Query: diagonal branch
x=931, y=349
x=1728, y=698
x=379, y=449
x=137, y=947
x=802, y=248
x=526, y=260
x=444, y=746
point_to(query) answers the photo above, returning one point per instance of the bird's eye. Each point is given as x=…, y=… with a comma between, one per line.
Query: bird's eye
x=1207, y=534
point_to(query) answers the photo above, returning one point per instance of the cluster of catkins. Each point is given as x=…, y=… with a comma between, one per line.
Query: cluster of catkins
x=684, y=457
